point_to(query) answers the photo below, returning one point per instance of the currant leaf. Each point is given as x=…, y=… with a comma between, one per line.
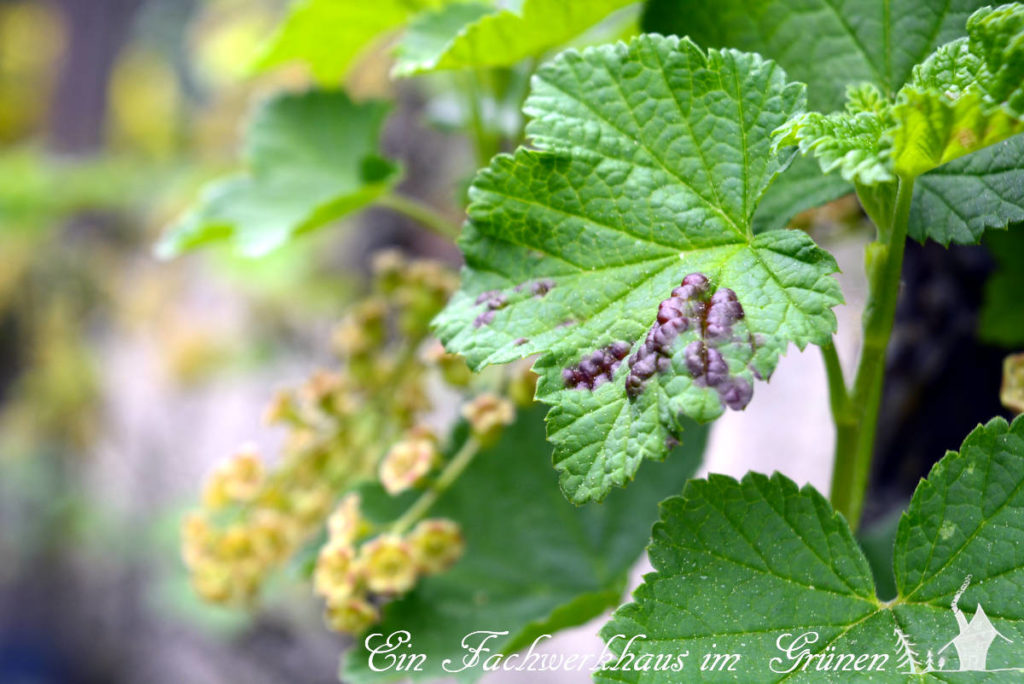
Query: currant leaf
x=475, y=35
x=957, y=102
x=966, y=96
x=312, y=158
x=652, y=159
x=830, y=46
x=725, y=547
x=330, y=35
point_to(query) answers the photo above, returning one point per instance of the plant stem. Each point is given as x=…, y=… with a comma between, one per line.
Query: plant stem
x=421, y=213
x=837, y=393
x=486, y=143
x=448, y=476
x=857, y=421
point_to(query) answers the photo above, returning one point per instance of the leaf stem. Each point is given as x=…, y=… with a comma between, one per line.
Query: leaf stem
x=462, y=458
x=486, y=143
x=857, y=422
x=423, y=214
x=837, y=392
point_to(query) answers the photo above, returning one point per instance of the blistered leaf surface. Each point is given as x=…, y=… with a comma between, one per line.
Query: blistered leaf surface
x=652, y=159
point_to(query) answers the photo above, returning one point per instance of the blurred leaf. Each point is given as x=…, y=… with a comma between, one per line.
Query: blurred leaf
x=1002, y=313
x=328, y=35
x=534, y=563
x=472, y=35
x=312, y=159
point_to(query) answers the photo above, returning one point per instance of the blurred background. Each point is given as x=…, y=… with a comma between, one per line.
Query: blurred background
x=124, y=378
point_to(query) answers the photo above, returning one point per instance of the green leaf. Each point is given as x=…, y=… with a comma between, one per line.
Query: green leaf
x=950, y=108
x=312, y=158
x=1001, y=319
x=725, y=550
x=473, y=35
x=532, y=565
x=330, y=35
x=652, y=159
x=966, y=96
x=829, y=46
x=958, y=202
x=854, y=141
x=432, y=34
x=822, y=43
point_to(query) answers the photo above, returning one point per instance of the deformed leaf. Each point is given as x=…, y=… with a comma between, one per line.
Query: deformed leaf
x=311, y=159
x=852, y=142
x=652, y=160
x=966, y=96
x=953, y=105
x=529, y=568
x=474, y=35
x=829, y=46
x=726, y=550
x=823, y=43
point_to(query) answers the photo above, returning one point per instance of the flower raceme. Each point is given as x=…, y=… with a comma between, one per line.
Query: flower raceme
x=254, y=518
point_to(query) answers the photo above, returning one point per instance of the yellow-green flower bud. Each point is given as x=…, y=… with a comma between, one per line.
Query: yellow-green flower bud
x=388, y=267
x=311, y=506
x=215, y=493
x=406, y=463
x=236, y=543
x=212, y=582
x=387, y=565
x=346, y=523
x=274, y=535
x=437, y=544
x=351, y=615
x=487, y=414
x=335, y=576
x=282, y=409
x=523, y=386
x=244, y=475
x=452, y=366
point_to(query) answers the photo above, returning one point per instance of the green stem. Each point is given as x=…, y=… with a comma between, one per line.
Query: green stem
x=448, y=476
x=421, y=213
x=487, y=145
x=857, y=422
x=838, y=396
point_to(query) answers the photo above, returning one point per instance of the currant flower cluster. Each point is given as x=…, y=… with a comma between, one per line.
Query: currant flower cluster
x=355, y=578
x=362, y=422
